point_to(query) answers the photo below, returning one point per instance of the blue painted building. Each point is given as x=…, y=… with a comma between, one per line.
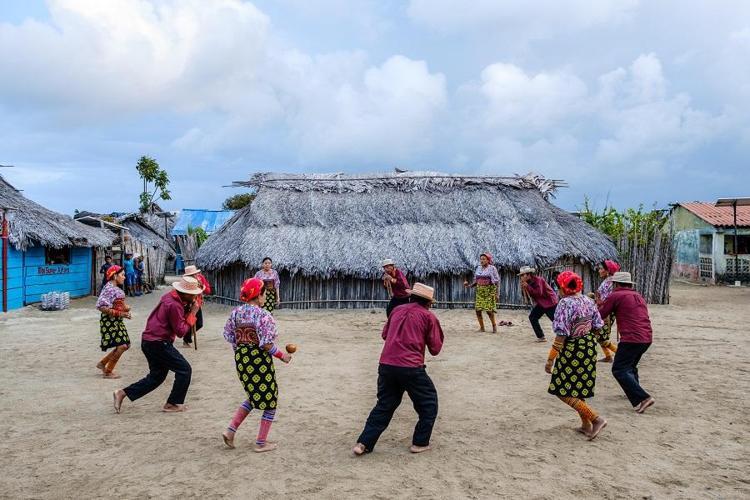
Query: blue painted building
x=43, y=251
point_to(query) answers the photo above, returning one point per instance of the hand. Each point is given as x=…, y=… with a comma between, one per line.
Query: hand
x=524, y=285
x=408, y=290
x=548, y=367
x=194, y=308
x=466, y=284
x=286, y=358
x=393, y=280
x=278, y=302
x=127, y=315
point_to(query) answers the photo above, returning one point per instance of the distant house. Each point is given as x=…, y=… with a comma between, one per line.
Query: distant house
x=704, y=242
x=45, y=251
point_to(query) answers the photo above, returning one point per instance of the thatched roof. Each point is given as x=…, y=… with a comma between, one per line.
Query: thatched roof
x=427, y=222
x=142, y=231
x=31, y=223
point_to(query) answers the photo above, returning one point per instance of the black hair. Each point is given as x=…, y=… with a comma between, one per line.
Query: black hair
x=421, y=300
x=266, y=259
x=571, y=284
x=107, y=257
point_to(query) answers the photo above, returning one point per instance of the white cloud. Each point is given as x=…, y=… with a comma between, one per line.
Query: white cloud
x=541, y=18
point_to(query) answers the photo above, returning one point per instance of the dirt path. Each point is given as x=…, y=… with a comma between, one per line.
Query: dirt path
x=499, y=434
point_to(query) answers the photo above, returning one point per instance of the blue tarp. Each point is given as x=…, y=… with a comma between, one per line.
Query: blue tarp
x=209, y=220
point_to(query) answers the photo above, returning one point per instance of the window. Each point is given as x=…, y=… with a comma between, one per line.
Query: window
x=707, y=267
x=707, y=241
x=743, y=244
x=54, y=256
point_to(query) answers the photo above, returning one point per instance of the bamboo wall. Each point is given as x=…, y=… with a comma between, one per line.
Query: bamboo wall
x=154, y=260
x=346, y=292
x=648, y=257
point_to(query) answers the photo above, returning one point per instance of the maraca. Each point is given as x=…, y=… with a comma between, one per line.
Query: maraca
x=291, y=348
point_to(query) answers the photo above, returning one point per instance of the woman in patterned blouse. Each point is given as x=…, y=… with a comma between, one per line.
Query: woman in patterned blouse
x=111, y=304
x=577, y=326
x=252, y=332
x=607, y=269
x=486, y=281
x=271, y=285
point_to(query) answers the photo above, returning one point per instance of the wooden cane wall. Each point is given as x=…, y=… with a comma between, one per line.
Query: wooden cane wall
x=346, y=292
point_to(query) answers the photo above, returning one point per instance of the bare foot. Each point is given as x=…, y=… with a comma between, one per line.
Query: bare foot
x=228, y=439
x=584, y=429
x=607, y=359
x=170, y=408
x=596, y=427
x=494, y=330
x=118, y=396
x=649, y=402
x=419, y=449
x=110, y=375
x=481, y=330
x=359, y=449
x=100, y=366
x=541, y=340
x=268, y=446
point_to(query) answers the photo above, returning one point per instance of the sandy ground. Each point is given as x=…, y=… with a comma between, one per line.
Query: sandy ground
x=499, y=434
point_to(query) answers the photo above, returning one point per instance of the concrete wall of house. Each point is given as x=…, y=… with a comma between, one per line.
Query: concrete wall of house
x=721, y=258
x=39, y=278
x=15, y=279
x=689, y=229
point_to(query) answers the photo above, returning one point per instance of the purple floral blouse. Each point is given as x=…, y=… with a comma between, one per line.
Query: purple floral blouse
x=272, y=275
x=108, y=295
x=576, y=316
x=486, y=275
x=255, y=317
x=605, y=289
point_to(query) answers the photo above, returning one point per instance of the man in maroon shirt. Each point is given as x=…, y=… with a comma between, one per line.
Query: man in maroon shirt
x=167, y=321
x=634, y=330
x=410, y=329
x=395, y=281
x=544, y=297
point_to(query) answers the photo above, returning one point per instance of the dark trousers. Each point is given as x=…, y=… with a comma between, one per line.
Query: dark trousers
x=395, y=301
x=392, y=382
x=198, y=325
x=536, y=313
x=625, y=370
x=162, y=358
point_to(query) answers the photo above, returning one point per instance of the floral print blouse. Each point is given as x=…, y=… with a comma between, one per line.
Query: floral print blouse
x=486, y=275
x=576, y=316
x=272, y=275
x=251, y=316
x=109, y=294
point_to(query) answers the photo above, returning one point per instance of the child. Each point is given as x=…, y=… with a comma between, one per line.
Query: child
x=252, y=332
x=111, y=304
x=129, y=265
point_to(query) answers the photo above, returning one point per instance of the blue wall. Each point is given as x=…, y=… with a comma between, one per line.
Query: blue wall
x=29, y=277
x=15, y=279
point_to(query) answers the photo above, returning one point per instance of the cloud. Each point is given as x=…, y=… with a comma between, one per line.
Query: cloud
x=538, y=19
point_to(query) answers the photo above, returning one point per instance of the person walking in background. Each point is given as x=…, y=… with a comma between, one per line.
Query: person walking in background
x=196, y=273
x=111, y=305
x=129, y=264
x=167, y=321
x=140, y=270
x=271, y=284
x=395, y=282
x=636, y=336
x=409, y=330
x=103, y=270
x=486, y=281
x=544, y=297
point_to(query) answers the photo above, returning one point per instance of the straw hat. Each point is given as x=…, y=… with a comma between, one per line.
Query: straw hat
x=424, y=291
x=387, y=262
x=188, y=285
x=526, y=270
x=622, y=277
x=191, y=270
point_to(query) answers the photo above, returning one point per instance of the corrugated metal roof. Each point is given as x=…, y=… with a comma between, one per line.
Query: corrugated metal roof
x=719, y=216
x=208, y=220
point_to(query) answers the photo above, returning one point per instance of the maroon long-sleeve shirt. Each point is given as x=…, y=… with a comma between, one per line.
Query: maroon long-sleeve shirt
x=631, y=313
x=400, y=286
x=409, y=330
x=168, y=319
x=540, y=291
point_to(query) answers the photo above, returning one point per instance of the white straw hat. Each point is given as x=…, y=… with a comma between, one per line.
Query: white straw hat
x=188, y=285
x=424, y=291
x=191, y=270
x=622, y=277
x=526, y=270
x=387, y=262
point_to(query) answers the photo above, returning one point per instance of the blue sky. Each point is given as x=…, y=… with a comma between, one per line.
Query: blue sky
x=629, y=101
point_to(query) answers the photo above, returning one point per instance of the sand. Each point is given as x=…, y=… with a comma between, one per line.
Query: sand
x=498, y=435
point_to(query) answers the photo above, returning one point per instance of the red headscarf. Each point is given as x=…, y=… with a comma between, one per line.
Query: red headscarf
x=251, y=288
x=611, y=266
x=488, y=255
x=570, y=283
x=113, y=269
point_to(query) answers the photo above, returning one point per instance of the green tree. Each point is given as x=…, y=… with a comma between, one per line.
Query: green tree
x=238, y=201
x=200, y=235
x=152, y=174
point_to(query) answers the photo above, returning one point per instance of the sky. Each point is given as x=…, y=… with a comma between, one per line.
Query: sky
x=629, y=101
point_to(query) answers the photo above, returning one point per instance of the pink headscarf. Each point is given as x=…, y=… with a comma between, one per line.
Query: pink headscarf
x=488, y=255
x=611, y=266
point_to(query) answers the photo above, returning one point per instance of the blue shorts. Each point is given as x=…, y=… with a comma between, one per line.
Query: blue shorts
x=130, y=279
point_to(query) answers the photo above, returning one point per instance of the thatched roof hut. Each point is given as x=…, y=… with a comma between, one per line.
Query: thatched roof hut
x=331, y=226
x=31, y=223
